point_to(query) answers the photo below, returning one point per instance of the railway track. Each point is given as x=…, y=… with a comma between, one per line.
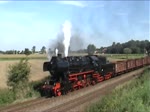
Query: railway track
x=72, y=100
x=21, y=105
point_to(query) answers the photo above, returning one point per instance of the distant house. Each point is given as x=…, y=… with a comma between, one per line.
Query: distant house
x=104, y=50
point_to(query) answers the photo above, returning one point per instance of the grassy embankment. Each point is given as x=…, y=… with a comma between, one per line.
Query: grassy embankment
x=133, y=96
x=8, y=96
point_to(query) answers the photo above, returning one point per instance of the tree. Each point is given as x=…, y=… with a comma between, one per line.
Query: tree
x=127, y=51
x=136, y=50
x=43, y=50
x=148, y=47
x=27, y=52
x=1, y=52
x=18, y=52
x=119, y=48
x=148, y=52
x=91, y=49
x=22, y=52
x=9, y=52
x=33, y=49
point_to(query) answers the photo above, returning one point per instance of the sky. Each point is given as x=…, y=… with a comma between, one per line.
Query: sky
x=24, y=24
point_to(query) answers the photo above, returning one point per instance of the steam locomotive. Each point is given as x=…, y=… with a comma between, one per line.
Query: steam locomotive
x=75, y=72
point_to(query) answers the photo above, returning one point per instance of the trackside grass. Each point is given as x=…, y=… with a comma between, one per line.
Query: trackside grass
x=133, y=96
x=7, y=96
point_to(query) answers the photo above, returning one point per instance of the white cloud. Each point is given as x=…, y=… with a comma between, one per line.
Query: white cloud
x=82, y=4
x=75, y=3
x=96, y=5
x=3, y=1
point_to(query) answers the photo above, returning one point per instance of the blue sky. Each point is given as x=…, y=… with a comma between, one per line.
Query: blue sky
x=27, y=23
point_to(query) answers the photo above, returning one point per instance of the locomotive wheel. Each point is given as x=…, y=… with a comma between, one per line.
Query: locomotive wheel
x=58, y=92
x=48, y=94
x=83, y=85
x=64, y=92
x=73, y=89
x=87, y=84
x=93, y=82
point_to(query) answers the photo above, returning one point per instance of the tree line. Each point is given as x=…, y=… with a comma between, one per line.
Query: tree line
x=133, y=46
x=130, y=47
x=26, y=51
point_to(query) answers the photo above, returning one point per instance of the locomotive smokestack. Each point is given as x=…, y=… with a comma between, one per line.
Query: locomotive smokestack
x=59, y=55
x=67, y=35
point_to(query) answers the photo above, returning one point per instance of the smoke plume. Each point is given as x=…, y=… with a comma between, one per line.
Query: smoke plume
x=67, y=35
x=77, y=39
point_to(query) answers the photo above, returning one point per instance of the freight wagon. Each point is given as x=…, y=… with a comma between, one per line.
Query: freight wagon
x=130, y=64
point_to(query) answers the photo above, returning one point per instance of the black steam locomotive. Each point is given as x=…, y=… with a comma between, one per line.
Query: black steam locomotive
x=73, y=72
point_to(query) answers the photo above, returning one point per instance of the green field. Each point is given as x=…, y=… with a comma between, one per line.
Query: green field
x=134, y=96
x=44, y=56
x=124, y=56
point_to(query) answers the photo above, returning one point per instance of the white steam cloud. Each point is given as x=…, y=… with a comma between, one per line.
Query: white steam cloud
x=56, y=51
x=67, y=35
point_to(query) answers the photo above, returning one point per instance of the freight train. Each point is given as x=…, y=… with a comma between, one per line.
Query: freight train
x=75, y=72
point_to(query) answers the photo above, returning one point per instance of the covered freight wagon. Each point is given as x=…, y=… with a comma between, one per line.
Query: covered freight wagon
x=144, y=61
x=130, y=64
x=139, y=62
x=120, y=67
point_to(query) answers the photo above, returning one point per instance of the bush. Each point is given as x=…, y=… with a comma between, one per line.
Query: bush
x=18, y=74
x=18, y=79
